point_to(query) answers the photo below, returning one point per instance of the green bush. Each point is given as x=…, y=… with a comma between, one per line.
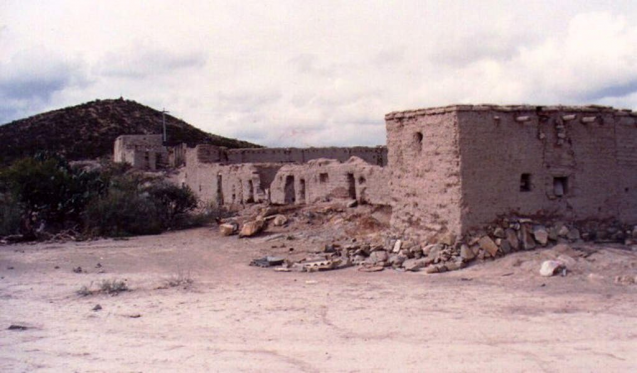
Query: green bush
x=10, y=215
x=128, y=209
x=114, y=201
x=172, y=202
x=47, y=186
x=123, y=213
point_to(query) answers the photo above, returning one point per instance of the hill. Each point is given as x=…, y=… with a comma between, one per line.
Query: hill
x=87, y=131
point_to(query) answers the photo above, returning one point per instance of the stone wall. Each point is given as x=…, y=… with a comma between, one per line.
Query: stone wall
x=570, y=163
x=326, y=179
x=213, y=154
x=424, y=163
x=458, y=169
x=230, y=186
x=141, y=151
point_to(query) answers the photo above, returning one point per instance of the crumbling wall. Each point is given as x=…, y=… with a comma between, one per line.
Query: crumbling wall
x=424, y=164
x=327, y=179
x=230, y=186
x=141, y=151
x=547, y=162
x=372, y=155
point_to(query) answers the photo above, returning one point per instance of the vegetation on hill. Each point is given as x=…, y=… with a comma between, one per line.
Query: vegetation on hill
x=87, y=131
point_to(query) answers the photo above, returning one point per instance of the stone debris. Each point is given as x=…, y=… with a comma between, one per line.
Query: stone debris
x=267, y=261
x=541, y=235
x=450, y=253
x=279, y=220
x=551, y=267
x=228, y=229
x=371, y=268
x=252, y=228
x=625, y=280
x=487, y=244
x=397, y=246
x=466, y=253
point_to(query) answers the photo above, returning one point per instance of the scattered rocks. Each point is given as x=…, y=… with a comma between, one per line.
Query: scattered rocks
x=448, y=239
x=573, y=234
x=466, y=253
x=512, y=239
x=551, y=267
x=528, y=243
x=77, y=270
x=280, y=220
x=379, y=256
x=397, y=246
x=414, y=265
x=96, y=308
x=228, y=229
x=487, y=244
x=499, y=232
x=541, y=235
x=17, y=327
x=267, y=261
x=252, y=228
x=625, y=280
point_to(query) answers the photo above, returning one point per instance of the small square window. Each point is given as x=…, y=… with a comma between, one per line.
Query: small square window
x=525, y=183
x=560, y=186
x=323, y=178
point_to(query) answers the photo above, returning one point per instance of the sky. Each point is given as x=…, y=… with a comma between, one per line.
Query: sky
x=313, y=73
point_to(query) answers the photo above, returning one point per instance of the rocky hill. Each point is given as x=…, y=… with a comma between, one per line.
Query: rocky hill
x=87, y=131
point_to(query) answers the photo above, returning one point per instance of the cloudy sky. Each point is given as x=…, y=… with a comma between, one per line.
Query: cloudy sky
x=313, y=73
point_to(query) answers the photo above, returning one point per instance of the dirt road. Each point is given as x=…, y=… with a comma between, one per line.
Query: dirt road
x=499, y=316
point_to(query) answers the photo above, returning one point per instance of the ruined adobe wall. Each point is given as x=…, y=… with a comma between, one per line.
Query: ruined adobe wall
x=424, y=162
x=372, y=155
x=626, y=139
x=575, y=146
x=230, y=186
x=327, y=179
x=140, y=151
x=210, y=153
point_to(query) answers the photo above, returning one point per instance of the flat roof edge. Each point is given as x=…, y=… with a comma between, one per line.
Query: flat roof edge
x=506, y=108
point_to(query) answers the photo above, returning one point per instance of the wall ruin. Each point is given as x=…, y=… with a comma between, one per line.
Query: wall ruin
x=449, y=170
x=479, y=163
x=219, y=182
x=326, y=180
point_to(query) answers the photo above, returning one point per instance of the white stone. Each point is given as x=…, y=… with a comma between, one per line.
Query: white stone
x=397, y=245
x=541, y=235
x=550, y=267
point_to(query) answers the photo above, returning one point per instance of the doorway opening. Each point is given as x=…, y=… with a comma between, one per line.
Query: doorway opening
x=290, y=193
x=351, y=186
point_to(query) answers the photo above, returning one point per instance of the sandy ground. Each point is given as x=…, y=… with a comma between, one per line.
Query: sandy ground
x=499, y=316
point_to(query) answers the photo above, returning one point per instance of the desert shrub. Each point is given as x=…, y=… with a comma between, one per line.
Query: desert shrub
x=49, y=187
x=10, y=215
x=110, y=287
x=172, y=202
x=111, y=201
x=123, y=213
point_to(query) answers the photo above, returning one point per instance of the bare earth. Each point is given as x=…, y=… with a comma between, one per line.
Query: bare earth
x=499, y=316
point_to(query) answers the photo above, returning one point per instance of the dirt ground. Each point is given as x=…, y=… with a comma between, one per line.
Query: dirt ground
x=498, y=316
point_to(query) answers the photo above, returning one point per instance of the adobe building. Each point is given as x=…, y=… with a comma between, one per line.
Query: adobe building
x=234, y=178
x=445, y=171
x=459, y=168
x=147, y=152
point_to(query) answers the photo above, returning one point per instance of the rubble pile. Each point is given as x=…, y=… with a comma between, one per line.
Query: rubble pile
x=375, y=253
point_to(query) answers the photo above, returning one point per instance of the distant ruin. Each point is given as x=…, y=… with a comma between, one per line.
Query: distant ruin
x=445, y=171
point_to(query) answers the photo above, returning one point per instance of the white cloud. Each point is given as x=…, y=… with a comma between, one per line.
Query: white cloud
x=314, y=73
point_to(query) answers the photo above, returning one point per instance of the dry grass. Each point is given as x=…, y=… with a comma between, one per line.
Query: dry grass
x=110, y=287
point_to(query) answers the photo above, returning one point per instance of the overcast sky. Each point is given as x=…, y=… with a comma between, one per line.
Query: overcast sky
x=313, y=73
